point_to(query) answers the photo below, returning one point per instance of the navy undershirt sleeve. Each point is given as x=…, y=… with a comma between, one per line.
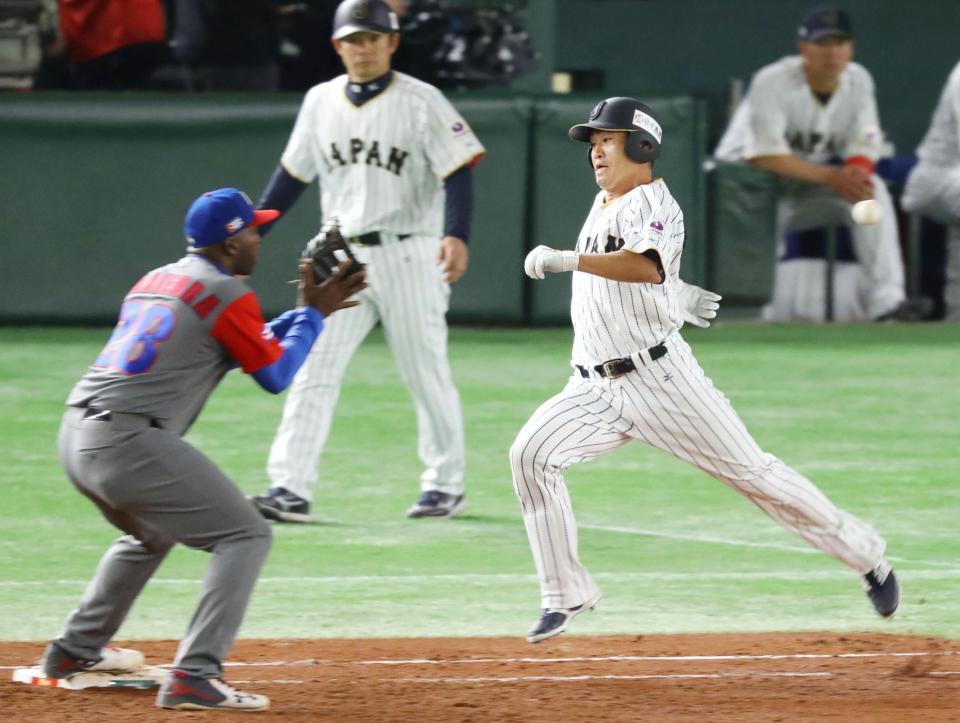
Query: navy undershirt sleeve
x=458, y=205
x=303, y=329
x=281, y=193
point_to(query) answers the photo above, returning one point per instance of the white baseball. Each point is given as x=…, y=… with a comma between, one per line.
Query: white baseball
x=867, y=212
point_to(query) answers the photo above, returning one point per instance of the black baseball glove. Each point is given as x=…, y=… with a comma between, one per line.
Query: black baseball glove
x=326, y=251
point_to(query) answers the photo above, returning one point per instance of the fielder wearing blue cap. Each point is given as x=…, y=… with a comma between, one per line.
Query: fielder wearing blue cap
x=219, y=214
x=182, y=327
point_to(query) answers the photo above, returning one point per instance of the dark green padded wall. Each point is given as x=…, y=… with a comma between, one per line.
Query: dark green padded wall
x=95, y=189
x=694, y=47
x=100, y=185
x=566, y=188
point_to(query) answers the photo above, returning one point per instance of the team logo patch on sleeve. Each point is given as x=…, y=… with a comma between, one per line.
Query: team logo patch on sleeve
x=656, y=232
x=459, y=127
x=267, y=333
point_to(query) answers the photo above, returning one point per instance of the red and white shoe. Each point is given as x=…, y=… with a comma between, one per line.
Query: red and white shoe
x=58, y=663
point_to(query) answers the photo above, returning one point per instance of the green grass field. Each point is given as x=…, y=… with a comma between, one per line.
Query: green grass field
x=870, y=413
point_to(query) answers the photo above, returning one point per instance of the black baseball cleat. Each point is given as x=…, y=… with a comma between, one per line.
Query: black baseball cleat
x=434, y=503
x=58, y=663
x=909, y=310
x=282, y=505
x=554, y=621
x=882, y=589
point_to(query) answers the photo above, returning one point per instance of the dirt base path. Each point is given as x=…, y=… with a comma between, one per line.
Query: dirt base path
x=571, y=678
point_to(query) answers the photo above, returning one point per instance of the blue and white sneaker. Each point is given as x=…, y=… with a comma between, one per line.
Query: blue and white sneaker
x=554, y=621
x=434, y=503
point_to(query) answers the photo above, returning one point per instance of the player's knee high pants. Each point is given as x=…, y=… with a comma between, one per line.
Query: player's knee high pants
x=806, y=206
x=669, y=404
x=407, y=295
x=160, y=490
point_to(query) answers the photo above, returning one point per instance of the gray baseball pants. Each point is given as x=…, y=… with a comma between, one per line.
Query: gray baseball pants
x=159, y=490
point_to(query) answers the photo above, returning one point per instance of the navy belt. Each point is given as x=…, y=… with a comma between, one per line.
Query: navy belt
x=613, y=368
x=373, y=238
x=97, y=414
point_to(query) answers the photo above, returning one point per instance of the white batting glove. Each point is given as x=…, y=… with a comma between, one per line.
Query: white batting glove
x=697, y=306
x=545, y=259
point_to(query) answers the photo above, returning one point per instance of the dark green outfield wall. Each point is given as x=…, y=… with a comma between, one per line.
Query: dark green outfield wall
x=94, y=190
x=694, y=47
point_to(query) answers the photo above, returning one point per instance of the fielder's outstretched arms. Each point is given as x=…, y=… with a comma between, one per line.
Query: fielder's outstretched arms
x=635, y=378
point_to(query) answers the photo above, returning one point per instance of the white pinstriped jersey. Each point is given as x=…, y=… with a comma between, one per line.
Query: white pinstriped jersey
x=780, y=115
x=613, y=319
x=381, y=165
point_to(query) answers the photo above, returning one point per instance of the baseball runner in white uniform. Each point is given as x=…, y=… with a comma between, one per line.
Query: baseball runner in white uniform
x=393, y=159
x=812, y=119
x=634, y=377
x=933, y=188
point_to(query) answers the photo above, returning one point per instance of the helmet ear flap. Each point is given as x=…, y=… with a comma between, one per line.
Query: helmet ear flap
x=590, y=155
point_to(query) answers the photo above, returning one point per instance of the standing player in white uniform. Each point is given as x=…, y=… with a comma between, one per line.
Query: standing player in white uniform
x=812, y=119
x=634, y=377
x=393, y=159
x=933, y=188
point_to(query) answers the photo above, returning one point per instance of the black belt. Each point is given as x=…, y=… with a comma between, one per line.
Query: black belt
x=613, y=368
x=373, y=238
x=97, y=414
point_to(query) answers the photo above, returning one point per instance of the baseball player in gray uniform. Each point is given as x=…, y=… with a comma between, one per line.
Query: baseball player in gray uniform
x=393, y=160
x=933, y=188
x=181, y=328
x=634, y=377
x=812, y=119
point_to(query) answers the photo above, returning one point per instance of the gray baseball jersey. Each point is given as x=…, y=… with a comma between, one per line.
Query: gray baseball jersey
x=181, y=328
x=667, y=402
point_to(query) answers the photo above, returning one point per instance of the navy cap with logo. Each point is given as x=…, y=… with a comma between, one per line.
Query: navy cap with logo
x=364, y=16
x=219, y=214
x=825, y=21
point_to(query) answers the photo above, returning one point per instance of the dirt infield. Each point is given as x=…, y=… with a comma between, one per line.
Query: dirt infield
x=571, y=678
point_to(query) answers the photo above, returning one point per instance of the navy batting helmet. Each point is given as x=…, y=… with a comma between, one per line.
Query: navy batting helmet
x=364, y=16
x=625, y=114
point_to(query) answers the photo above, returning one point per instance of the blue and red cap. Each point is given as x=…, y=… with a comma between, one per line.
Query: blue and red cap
x=217, y=215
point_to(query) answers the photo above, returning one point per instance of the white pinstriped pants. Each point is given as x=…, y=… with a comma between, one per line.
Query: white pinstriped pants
x=805, y=206
x=408, y=296
x=672, y=405
x=934, y=191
